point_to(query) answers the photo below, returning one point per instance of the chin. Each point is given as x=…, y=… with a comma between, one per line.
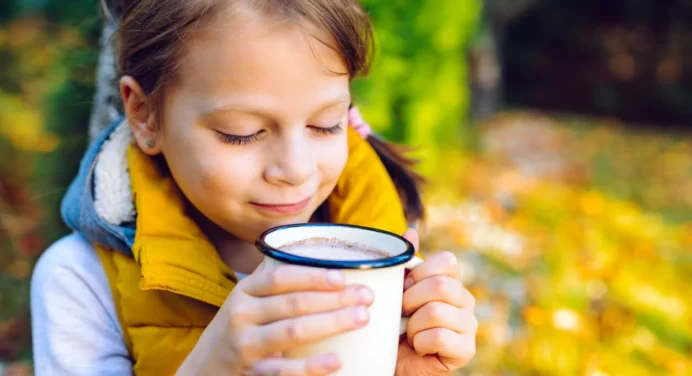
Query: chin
x=284, y=221
x=250, y=232
x=256, y=224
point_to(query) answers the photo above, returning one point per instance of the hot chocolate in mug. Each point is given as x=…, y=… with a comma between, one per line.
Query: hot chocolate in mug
x=371, y=350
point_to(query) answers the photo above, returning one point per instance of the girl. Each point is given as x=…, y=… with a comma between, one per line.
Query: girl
x=237, y=120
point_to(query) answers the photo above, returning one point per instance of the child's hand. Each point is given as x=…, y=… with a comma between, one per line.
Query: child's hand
x=441, y=333
x=273, y=310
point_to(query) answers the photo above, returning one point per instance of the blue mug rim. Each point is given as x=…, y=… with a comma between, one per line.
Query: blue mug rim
x=289, y=258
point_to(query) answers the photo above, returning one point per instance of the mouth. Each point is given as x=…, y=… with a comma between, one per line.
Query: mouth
x=282, y=209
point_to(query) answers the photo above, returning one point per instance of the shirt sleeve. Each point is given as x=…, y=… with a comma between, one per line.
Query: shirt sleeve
x=75, y=325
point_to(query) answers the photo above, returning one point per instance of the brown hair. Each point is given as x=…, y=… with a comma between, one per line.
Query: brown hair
x=150, y=47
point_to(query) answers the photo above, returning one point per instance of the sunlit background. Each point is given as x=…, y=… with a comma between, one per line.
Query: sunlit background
x=557, y=137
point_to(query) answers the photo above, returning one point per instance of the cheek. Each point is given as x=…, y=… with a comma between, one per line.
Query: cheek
x=208, y=170
x=226, y=172
x=332, y=159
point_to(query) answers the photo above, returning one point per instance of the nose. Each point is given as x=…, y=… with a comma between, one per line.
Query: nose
x=293, y=162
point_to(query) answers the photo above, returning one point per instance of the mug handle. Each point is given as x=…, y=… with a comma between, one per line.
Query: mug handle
x=414, y=262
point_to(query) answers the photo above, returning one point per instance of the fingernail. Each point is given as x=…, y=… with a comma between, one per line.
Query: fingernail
x=360, y=315
x=408, y=282
x=334, y=277
x=365, y=296
x=331, y=361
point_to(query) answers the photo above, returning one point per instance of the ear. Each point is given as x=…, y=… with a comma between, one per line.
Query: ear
x=140, y=116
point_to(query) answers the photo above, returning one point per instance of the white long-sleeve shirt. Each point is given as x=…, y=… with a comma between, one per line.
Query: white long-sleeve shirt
x=74, y=321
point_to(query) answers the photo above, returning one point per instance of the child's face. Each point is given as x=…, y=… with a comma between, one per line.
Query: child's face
x=247, y=76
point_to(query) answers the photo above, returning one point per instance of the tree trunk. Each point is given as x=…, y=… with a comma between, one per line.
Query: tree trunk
x=486, y=60
x=486, y=77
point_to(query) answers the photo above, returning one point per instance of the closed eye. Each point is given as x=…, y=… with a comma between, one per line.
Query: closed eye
x=244, y=140
x=327, y=131
x=239, y=140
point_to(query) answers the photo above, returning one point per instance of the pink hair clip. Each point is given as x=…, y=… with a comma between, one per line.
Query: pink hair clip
x=355, y=120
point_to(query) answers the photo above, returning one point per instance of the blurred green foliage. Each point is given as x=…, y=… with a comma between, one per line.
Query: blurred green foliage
x=47, y=59
x=418, y=91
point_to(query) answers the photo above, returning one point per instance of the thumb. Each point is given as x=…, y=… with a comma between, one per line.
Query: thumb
x=412, y=236
x=261, y=266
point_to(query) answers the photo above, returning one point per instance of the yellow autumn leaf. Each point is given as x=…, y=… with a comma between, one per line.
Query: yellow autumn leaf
x=23, y=127
x=592, y=203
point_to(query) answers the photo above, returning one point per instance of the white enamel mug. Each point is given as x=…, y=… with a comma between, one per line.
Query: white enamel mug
x=371, y=350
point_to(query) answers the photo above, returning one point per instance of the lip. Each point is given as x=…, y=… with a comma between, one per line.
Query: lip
x=282, y=209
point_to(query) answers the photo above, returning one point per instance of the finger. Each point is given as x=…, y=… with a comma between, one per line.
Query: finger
x=412, y=236
x=442, y=263
x=290, y=333
x=279, y=307
x=454, y=350
x=259, y=267
x=315, y=366
x=438, y=288
x=290, y=278
x=441, y=315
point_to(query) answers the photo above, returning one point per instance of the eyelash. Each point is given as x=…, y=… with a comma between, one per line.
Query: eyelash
x=244, y=140
x=328, y=131
x=239, y=140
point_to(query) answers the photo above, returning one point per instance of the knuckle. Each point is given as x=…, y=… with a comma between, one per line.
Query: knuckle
x=240, y=346
x=236, y=346
x=246, y=347
x=295, y=304
x=439, y=284
x=449, y=258
x=294, y=332
x=277, y=276
x=238, y=318
x=435, y=311
x=316, y=278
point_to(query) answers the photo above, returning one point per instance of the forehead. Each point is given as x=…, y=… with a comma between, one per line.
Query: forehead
x=242, y=52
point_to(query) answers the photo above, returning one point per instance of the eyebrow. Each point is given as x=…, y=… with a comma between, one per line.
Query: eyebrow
x=253, y=108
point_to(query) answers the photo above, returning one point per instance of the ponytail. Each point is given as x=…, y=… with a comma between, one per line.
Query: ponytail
x=400, y=169
x=399, y=166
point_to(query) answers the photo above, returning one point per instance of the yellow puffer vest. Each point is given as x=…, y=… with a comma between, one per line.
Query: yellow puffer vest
x=169, y=292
